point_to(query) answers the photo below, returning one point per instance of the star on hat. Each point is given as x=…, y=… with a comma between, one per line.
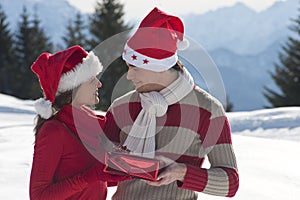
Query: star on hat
x=155, y=43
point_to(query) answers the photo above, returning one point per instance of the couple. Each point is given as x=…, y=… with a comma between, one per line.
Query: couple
x=166, y=116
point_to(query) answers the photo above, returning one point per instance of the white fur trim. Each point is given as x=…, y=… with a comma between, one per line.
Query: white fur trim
x=182, y=45
x=156, y=65
x=43, y=108
x=90, y=66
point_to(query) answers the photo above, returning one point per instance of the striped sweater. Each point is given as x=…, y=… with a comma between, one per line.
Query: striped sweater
x=192, y=129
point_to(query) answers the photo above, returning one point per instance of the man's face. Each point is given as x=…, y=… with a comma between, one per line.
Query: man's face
x=144, y=80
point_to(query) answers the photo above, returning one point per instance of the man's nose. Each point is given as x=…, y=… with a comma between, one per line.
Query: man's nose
x=130, y=74
x=99, y=84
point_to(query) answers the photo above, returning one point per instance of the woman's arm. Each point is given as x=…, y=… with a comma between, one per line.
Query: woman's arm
x=47, y=154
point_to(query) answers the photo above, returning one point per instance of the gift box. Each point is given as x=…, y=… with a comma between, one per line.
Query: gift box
x=120, y=163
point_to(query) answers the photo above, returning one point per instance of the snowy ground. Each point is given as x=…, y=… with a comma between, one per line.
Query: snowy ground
x=266, y=142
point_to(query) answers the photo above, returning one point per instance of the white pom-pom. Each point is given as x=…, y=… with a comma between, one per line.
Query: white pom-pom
x=184, y=44
x=43, y=107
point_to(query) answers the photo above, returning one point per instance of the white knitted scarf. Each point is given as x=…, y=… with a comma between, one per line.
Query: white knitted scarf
x=141, y=138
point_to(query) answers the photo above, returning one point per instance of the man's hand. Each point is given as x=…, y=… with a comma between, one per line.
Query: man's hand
x=173, y=171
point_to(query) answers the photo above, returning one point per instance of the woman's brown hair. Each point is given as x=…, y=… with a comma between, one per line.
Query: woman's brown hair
x=60, y=101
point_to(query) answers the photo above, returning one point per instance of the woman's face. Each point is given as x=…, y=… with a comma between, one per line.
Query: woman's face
x=87, y=93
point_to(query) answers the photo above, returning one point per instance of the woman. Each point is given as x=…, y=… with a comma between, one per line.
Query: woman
x=67, y=155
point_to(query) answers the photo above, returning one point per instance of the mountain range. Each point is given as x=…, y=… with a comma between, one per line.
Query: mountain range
x=243, y=43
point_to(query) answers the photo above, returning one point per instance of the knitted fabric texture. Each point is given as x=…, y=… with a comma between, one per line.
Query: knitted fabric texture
x=192, y=129
x=141, y=139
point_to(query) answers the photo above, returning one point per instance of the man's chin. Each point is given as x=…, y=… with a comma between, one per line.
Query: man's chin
x=142, y=89
x=148, y=88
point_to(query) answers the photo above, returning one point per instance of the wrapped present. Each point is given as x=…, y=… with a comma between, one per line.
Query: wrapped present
x=123, y=163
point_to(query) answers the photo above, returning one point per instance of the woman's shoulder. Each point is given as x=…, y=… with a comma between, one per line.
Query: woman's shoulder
x=52, y=128
x=53, y=123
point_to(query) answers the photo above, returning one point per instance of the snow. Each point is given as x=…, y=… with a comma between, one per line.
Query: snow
x=266, y=142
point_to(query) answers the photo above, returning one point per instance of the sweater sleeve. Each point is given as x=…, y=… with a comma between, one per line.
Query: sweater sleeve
x=111, y=131
x=222, y=178
x=111, y=128
x=47, y=153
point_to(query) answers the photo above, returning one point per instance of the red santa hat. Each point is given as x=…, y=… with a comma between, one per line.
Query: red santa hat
x=62, y=71
x=155, y=43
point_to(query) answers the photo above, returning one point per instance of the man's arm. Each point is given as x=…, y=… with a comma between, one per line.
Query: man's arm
x=111, y=129
x=220, y=179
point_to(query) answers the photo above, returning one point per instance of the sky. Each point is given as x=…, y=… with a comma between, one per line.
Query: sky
x=266, y=144
x=136, y=9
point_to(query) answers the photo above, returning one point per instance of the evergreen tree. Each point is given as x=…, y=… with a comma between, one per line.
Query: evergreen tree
x=106, y=21
x=229, y=105
x=7, y=56
x=75, y=35
x=22, y=49
x=287, y=73
x=31, y=41
x=41, y=41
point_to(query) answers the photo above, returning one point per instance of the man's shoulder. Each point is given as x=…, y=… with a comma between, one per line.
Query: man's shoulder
x=201, y=98
x=204, y=95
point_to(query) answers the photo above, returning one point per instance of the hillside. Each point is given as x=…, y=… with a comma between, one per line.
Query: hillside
x=266, y=143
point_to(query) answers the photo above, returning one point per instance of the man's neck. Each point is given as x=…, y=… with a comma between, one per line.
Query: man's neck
x=172, y=76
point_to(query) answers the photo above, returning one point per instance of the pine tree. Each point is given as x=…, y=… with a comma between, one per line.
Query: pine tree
x=22, y=49
x=7, y=57
x=31, y=41
x=106, y=21
x=229, y=105
x=41, y=43
x=75, y=35
x=287, y=73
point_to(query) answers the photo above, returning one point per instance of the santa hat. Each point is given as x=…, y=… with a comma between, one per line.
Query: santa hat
x=155, y=43
x=61, y=72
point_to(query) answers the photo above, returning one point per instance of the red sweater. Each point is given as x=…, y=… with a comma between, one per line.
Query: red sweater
x=60, y=159
x=192, y=129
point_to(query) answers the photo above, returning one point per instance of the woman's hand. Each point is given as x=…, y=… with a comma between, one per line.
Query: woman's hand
x=173, y=171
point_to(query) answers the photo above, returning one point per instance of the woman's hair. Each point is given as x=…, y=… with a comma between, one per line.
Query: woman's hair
x=60, y=101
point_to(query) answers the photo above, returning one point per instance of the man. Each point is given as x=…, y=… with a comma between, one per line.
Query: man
x=170, y=118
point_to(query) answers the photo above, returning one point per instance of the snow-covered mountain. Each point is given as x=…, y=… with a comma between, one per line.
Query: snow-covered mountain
x=54, y=15
x=245, y=76
x=243, y=43
x=236, y=28
x=266, y=143
x=240, y=29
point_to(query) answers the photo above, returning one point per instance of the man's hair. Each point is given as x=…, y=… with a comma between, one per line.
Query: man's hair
x=178, y=66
